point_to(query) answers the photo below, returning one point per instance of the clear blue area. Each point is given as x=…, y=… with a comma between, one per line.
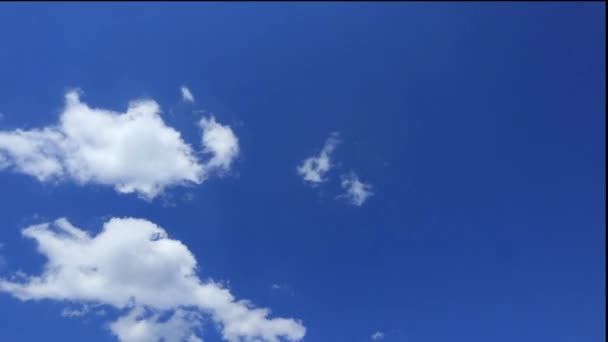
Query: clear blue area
x=481, y=127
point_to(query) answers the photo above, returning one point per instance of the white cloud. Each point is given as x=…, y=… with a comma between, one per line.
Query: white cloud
x=67, y=312
x=357, y=192
x=219, y=141
x=135, y=327
x=134, y=151
x=82, y=311
x=132, y=264
x=313, y=169
x=37, y=153
x=187, y=94
x=377, y=336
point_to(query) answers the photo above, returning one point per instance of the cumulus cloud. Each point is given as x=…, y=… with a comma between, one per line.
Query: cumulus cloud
x=356, y=192
x=220, y=142
x=313, y=169
x=187, y=94
x=134, y=151
x=377, y=336
x=134, y=266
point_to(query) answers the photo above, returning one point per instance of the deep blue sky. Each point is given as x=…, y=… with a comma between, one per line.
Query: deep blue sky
x=481, y=127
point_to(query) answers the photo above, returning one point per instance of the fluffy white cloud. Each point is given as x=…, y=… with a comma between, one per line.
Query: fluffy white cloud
x=356, y=191
x=37, y=153
x=132, y=264
x=134, y=151
x=187, y=94
x=313, y=169
x=219, y=141
x=377, y=336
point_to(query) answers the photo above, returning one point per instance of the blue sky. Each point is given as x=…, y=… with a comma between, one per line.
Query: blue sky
x=479, y=128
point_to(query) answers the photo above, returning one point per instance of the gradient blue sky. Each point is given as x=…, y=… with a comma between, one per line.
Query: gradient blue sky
x=481, y=127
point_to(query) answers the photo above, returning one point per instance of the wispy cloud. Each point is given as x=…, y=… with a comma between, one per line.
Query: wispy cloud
x=377, y=336
x=70, y=312
x=356, y=192
x=283, y=288
x=187, y=94
x=313, y=169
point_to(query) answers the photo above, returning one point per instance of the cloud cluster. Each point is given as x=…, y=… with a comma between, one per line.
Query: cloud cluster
x=134, y=151
x=313, y=169
x=356, y=191
x=133, y=265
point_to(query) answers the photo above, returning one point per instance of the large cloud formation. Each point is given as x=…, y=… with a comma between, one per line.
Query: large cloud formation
x=134, y=151
x=133, y=265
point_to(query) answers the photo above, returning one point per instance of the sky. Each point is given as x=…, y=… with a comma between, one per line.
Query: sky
x=326, y=171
